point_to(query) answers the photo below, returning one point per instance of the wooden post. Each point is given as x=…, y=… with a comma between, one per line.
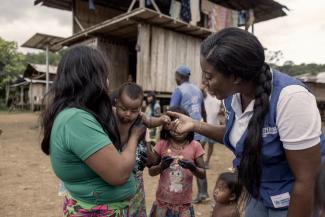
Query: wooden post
x=142, y=4
x=31, y=98
x=21, y=97
x=7, y=93
x=47, y=69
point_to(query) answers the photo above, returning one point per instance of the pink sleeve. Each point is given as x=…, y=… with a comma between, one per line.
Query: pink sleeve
x=199, y=151
x=159, y=147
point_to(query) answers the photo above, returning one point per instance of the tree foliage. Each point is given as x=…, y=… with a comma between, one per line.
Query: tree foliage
x=294, y=70
x=13, y=63
x=40, y=58
x=275, y=57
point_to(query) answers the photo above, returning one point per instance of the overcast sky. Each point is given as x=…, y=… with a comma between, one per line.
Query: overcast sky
x=300, y=35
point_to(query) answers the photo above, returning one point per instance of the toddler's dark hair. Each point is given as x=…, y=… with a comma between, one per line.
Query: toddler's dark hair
x=165, y=134
x=231, y=179
x=133, y=90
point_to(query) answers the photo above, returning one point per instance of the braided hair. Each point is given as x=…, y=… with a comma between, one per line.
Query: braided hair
x=233, y=51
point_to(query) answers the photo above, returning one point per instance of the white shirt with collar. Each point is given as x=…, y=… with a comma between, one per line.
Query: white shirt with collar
x=297, y=118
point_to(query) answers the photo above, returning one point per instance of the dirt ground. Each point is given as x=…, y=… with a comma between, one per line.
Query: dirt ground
x=28, y=186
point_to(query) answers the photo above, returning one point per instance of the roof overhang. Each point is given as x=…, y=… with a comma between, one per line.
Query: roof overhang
x=38, y=70
x=42, y=41
x=263, y=9
x=125, y=26
x=58, y=4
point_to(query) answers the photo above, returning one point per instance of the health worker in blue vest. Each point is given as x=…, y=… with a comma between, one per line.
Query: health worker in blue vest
x=273, y=125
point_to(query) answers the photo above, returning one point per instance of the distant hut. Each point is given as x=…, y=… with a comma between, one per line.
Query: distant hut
x=29, y=89
x=316, y=83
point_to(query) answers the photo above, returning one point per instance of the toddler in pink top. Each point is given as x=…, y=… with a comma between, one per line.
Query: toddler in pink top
x=181, y=157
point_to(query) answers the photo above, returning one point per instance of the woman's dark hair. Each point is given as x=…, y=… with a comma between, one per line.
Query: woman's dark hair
x=165, y=134
x=231, y=179
x=319, y=190
x=233, y=51
x=152, y=104
x=81, y=82
x=132, y=90
x=113, y=96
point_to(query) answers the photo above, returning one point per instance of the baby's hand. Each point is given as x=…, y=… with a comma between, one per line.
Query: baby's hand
x=138, y=129
x=143, y=161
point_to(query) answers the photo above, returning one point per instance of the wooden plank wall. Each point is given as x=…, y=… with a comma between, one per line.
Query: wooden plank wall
x=117, y=55
x=88, y=17
x=143, y=56
x=36, y=90
x=161, y=52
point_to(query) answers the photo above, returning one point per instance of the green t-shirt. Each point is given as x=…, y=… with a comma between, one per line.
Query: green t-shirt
x=75, y=136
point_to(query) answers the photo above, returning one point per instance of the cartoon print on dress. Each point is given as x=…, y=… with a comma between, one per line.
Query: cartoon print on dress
x=176, y=176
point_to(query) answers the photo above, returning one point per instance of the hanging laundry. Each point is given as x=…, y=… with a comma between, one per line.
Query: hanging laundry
x=234, y=18
x=222, y=14
x=195, y=11
x=251, y=17
x=242, y=16
x=219, y=17
x=206, y=6
x=185, y=11
x=212, y=23
x=92, y=5
x=148, y=3
x=175, y=9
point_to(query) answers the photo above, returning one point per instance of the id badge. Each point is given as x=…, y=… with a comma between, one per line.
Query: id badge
x=281, y=200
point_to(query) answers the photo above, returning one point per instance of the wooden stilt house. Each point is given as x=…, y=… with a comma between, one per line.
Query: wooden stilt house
x=144, y=41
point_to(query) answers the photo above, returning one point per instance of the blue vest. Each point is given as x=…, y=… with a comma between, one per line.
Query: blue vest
x=277, y=177
x=192, y=100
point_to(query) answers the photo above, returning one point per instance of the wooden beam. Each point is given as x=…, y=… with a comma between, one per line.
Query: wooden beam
x=142, y=4
x=131, y=6
x=155, y=6
x=78, y=23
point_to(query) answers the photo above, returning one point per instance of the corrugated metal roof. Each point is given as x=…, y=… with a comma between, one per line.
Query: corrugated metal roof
x=41, y=41
x=42, y=68
x=38, y=68
x=312, y=78
x=28, y=81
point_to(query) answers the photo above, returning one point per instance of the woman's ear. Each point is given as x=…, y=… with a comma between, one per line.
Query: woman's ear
x=232, y=197
x=237, y=80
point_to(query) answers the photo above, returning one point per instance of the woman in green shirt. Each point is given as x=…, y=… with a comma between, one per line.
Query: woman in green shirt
x=82, y=139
